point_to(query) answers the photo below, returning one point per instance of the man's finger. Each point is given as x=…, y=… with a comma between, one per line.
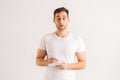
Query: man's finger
x=53, y=58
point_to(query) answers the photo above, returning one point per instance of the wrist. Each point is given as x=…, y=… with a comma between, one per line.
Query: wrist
x=46, y=62
x=66, y=66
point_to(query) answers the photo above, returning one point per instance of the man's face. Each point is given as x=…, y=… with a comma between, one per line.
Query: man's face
x=61, y=20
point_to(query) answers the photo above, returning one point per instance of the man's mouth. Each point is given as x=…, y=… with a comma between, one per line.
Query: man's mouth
x=61, y=25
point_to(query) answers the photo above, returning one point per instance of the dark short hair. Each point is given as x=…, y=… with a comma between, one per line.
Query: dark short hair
x=61, y=9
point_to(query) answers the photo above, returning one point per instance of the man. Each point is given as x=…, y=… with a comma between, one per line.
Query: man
x=61, y=48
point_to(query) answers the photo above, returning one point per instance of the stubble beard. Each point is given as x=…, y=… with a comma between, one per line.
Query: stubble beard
x=62, y=29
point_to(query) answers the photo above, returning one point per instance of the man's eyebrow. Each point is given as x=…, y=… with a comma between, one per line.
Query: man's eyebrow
x=62, y=16
x=58, y=16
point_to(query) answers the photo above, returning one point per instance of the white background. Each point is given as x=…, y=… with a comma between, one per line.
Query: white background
x=24, y=22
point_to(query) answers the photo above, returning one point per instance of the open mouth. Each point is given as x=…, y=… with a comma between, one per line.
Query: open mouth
x=61, y=25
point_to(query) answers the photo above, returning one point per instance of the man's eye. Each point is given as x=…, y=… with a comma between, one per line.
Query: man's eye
x=64, y=18
x=58, y=18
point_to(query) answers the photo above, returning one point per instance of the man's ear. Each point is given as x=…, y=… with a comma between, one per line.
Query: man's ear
x=53, y=20
x=68, y=20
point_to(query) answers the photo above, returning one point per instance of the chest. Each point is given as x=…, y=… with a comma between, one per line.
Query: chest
x=62, y=46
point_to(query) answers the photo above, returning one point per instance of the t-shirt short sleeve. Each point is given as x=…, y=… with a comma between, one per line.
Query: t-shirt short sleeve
x=80, y=45
x=42, y=44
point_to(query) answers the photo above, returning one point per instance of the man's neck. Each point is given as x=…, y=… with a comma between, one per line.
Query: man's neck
x=62, y=33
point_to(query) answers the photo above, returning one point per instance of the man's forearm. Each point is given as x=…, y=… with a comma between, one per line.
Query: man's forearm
x=76, y=66
x=41, y=62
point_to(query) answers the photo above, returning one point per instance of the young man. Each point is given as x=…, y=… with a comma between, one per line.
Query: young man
x=61, y=47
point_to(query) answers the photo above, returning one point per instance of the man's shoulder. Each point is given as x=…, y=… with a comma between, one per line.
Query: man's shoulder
x=77, y=37
x=48, y=35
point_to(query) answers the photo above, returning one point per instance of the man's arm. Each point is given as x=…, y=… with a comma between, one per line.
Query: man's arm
x=75, y=66
x=81, y=62
x=40, y=58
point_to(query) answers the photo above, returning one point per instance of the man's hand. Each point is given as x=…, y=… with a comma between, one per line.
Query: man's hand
x=62, y=66
x=52, y=60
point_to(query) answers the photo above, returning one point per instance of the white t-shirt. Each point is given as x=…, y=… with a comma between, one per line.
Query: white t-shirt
x=64, y=49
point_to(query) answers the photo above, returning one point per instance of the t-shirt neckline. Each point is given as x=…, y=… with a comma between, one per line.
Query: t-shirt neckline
x=62, y=37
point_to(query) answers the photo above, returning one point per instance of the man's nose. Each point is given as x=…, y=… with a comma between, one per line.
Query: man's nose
x=61, y=21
